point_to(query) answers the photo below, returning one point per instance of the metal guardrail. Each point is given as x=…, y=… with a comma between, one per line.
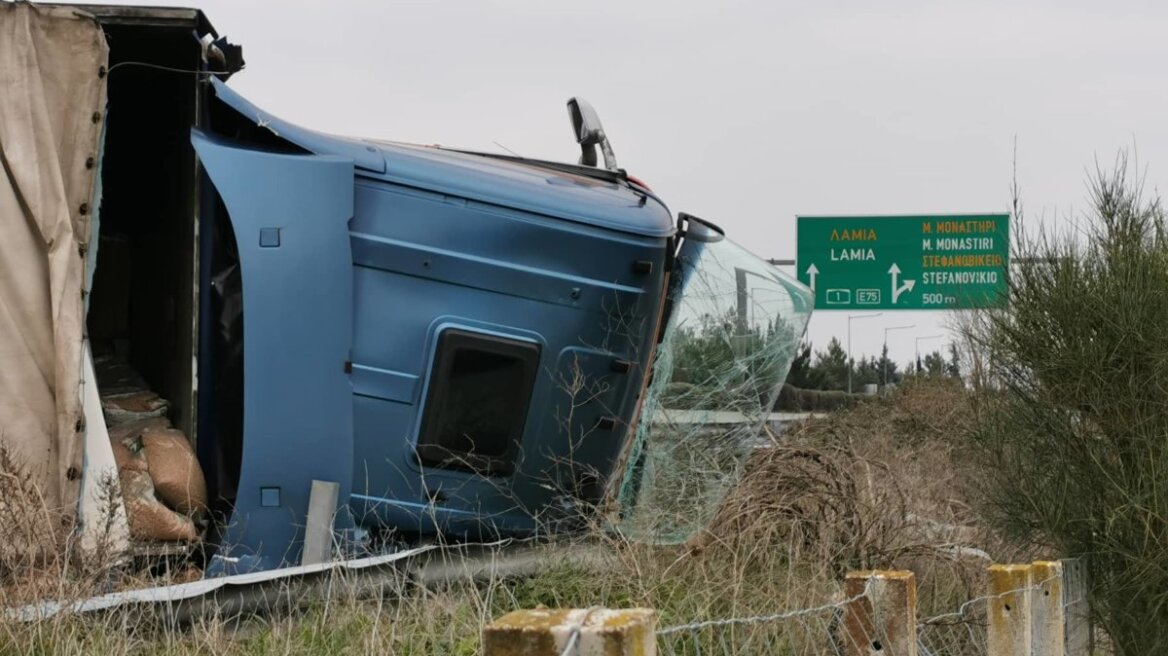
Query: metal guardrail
x=289, y=586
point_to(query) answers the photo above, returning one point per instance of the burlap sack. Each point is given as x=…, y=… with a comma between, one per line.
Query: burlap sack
x=132, y=430
x=121, y=408
x=126, y=459
x=149, y=519
x=178, y=479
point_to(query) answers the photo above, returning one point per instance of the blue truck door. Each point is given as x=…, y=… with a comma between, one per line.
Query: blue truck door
x=290, y=214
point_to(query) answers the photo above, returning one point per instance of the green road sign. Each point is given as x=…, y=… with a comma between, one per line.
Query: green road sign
x=926, y=262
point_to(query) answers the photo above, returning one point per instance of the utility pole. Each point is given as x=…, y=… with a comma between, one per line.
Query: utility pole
x=917, y=348
x=850, y=317
x=884, y=355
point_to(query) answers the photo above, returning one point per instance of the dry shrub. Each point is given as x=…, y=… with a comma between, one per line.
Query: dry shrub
x=881, y=485
x=33, y=532
x=40, y=555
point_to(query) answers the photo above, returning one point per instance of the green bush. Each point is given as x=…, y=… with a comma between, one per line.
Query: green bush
x=1073, y=419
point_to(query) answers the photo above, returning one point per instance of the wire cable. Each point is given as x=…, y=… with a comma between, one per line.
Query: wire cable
x=171, y=69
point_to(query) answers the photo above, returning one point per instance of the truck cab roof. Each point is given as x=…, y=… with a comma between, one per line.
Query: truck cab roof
x=586, y=195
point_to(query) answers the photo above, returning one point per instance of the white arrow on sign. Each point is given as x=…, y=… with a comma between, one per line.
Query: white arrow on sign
x=812, y=271
x=894, y=271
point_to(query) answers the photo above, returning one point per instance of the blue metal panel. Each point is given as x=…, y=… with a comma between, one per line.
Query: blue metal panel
x=578, y=466
x=424, y=260
x=364, y=155
x=384, y=384
x=563, y=195
x=498, y=275
x=298, y=308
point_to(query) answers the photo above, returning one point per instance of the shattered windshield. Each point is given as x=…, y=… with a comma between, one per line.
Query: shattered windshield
x=732, y=335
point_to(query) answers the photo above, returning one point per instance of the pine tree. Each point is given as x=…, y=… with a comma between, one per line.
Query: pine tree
x=935, y=364
x=887, y=368
x=953, y=367
x=833, y=366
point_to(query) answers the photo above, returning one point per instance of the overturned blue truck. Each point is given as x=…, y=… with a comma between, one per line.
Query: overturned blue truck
x=454, y=343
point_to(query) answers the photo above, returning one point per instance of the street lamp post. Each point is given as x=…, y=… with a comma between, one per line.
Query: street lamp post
x=917, y=348
x=884, y=355
x=850, y=317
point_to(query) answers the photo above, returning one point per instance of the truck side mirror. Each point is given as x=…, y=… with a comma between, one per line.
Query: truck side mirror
x=697, y=229
x=589, y=134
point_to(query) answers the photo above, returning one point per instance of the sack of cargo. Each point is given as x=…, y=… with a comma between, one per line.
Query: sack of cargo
x=174, y=469
x=126, y=459
x=130, y=431
x=149, y=519
x=121, y=408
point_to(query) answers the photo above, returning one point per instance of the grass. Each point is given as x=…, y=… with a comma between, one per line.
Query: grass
x=447, y=619
x=880, y=485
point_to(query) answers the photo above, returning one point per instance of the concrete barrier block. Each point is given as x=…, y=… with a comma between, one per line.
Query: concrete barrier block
x=546, y=632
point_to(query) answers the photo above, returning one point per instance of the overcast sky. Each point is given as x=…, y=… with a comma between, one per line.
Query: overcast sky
x=744, y=112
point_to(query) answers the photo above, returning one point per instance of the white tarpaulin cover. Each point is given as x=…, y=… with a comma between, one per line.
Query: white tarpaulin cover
x=52, y=103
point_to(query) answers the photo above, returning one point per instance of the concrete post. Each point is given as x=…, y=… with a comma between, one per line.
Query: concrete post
x=1008, y=612
x=1047, y=619
x=883, y=619
x=1076, y=608
x=546, y=632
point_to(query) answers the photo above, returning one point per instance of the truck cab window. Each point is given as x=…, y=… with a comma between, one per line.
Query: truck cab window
x=476, y=406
